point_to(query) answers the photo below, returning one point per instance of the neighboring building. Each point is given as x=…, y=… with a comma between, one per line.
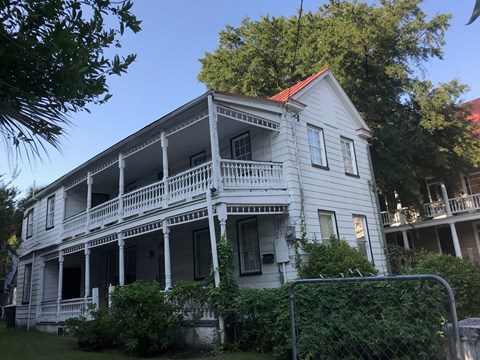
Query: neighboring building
x=8, y=277
x=450, y=219
x=149, y=207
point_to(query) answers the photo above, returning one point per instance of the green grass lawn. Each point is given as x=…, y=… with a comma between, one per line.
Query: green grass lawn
x=17, y=344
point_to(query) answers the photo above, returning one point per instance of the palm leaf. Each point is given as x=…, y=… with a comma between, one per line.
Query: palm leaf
x=476, y=12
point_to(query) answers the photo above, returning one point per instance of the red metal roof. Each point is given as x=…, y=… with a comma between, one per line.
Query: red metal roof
x=475, y=110
x=292, y=90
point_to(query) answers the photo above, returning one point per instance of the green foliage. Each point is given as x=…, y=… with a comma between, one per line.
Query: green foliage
x=54, y=63
x=145, y=321
x=260, y=321
x=374, y=50
x=10, y=224
x=401, y=260
x=335, y=259
x=96, y=334
x=462, y=277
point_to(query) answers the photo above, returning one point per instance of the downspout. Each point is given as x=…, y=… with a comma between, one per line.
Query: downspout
x=377, y=204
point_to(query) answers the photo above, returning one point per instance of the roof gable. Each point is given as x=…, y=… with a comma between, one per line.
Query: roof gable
x=474, y=111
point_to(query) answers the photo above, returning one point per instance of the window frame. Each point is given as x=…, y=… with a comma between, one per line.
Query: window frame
x=198, y=159
x=368, y=244
x=50, y=216
x=321, y=147
x=333, y=218
x=239, y=137
x=29, y=225
x=353, y=156
x=197, y=275
x=27, y=283
x=241, y=255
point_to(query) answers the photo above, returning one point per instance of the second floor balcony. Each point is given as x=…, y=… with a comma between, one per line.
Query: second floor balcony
x=465, y=204
x=184, y=186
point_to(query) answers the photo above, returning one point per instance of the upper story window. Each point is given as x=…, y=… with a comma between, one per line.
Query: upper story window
x=349, y=159
x=328, y=225
x=316, y=142
x=249, y=247
x=50, y=212
x=29, y=230
x=241, y=149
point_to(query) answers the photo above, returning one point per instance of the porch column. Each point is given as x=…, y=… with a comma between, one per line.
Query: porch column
x=445, y=199
x=166, y=254
x=212, y=121
x=222, y=217
x=87, y=270
x=121, y=260
x=89, y=197
x=213, y=240
x=406, y=245
x=456, y=242
x=121, y=185
x=164, y=142
x=60, y=282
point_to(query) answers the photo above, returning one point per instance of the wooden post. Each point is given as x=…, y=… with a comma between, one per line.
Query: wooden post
x=166, y=254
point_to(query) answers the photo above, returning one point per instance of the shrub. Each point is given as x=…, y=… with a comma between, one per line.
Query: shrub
x=401, y=259
x=333, y=259
x=96, y=334
x=460, y=274
x=145, y=321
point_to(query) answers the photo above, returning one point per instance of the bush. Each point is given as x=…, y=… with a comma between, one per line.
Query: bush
x=460, y=274
x=145, y=321
x=332, y=260
x=96, y=334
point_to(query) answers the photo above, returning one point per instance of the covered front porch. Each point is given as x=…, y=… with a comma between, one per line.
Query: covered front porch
x=165, y=251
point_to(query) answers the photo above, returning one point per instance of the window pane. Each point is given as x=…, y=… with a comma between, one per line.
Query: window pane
x=348, y=156
x=202, y=253
x=241, y=147
x=327, y=228
x=317, y=147
x=360, y=233
x=249, y=246
x=27, y=281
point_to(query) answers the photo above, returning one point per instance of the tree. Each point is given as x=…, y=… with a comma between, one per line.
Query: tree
x=10, y=223
x=54, y=63
x=374, y=51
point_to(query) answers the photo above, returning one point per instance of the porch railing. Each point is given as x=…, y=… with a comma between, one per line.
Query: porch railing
x=436, y=209
x=59, y=311
x=236, y=174
x=252, y=174
x=194, y=311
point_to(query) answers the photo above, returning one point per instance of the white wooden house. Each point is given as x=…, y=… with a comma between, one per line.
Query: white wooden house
x=149, y=207
x=449, y=222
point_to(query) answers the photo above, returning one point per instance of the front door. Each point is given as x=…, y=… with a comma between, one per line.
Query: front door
x=71, y=286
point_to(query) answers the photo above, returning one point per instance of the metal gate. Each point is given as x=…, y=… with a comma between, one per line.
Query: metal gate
x=375, y=318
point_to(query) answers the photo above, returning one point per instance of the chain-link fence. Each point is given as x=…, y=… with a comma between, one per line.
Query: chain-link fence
x=374, y=318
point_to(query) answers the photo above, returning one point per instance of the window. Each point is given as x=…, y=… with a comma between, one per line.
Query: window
x=241, y=149
x=131, y=264
x=50, y=212
x=361, y=233
x=349, y=160
x=328, y=225
x=316, y=143
x=27, y=283
x=198, y=159
x=29, y=230
x=202, y=254
x=248, y=245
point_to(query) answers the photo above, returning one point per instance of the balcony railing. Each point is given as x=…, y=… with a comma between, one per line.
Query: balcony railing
x=437, y=209
x=236, y=174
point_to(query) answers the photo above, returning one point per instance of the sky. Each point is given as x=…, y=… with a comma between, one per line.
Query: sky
x=175, y=34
